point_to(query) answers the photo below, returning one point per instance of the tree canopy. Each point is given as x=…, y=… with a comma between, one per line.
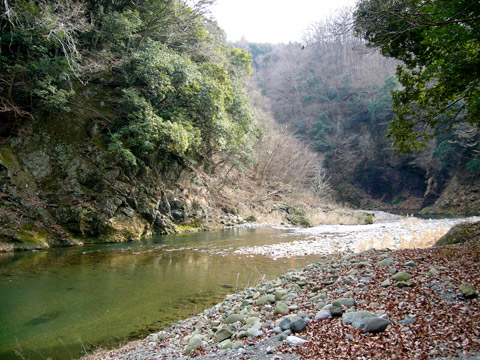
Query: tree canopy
x=438, y=42
x=177, y=87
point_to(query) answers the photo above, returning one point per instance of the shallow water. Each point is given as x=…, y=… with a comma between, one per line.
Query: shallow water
x=59, y=302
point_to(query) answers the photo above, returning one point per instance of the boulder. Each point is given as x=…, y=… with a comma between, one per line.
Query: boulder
x=299, y=220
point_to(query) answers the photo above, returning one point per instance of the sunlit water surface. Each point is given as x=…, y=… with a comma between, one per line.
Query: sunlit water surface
x=59, y=302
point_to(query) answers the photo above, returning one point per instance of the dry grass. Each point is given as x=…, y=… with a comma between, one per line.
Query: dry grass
x=423, y=239
x=377, y=242
x=418, y=239
x=333, y=217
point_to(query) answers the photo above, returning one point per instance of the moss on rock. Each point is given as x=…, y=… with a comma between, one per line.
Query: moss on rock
x=299, y=220
x=461, y=234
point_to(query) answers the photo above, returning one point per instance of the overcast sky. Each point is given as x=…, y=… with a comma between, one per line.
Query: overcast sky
x=272, y=21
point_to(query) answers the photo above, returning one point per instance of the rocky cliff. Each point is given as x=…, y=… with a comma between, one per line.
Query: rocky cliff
x=59, y=185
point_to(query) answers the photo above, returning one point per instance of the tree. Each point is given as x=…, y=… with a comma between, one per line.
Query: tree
x=39, y=54
x=438, y=42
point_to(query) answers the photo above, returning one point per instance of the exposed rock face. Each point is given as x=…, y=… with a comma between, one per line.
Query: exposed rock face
x=459, y=234
x=59, y=186
x=459, y=196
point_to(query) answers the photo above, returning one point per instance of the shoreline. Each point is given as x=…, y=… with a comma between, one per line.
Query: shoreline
x=248, y=324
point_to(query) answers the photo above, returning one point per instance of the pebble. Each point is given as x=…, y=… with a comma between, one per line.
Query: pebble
x=402, y=276
x=294, y=341
x=376, y=325
x=298, y=324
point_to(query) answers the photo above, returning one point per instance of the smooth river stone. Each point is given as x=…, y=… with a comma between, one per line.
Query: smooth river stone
x=281, y=308
x=402, y=276
x=234, y=318
x=222, y=334
x=266, y=299
x=358, y=318
x=376, y=325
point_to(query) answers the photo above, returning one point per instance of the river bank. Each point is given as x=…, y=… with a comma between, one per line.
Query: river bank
x=418, y=297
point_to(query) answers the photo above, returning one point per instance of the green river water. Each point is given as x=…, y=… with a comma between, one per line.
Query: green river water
x=58, y=303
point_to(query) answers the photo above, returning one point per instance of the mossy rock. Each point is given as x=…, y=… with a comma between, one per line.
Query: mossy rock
x=368, y=219
x=298, y=220
x=27, y=237
x=292, y=210
x=460, y=234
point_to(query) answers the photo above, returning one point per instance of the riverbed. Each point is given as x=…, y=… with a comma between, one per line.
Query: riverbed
x=60, y=302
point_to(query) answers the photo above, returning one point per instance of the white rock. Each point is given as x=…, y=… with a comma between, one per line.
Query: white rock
x=294, y=340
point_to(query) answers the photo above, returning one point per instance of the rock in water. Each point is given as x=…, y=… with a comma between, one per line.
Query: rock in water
x=376, y=325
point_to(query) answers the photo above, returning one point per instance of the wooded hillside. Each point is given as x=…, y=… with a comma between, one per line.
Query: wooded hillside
x=334, y=93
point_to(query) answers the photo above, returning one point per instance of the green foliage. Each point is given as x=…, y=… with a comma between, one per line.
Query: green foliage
x=144, y=132
x=180, y=89
x=178, y=105
x=439, y=45
x=398, y=199
x=38, y=55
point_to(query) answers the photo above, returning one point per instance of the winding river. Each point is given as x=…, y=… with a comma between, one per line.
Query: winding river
x=60, y=302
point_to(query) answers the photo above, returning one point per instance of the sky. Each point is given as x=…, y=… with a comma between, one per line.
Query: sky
x=272, y=21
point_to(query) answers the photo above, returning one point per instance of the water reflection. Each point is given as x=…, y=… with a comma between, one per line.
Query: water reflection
x=54, y=302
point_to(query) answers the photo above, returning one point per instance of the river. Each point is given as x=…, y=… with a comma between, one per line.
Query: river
x=59, y=302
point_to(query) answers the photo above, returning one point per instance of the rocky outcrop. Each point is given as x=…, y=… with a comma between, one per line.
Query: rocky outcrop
x=60, y=186
x=461, y=233
x=461, y=196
